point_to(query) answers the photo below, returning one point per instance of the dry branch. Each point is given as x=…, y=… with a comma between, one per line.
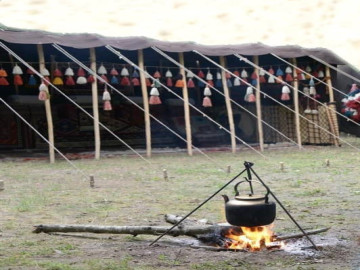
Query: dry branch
x=173, y=219
x=133, y=230
x=299, y=235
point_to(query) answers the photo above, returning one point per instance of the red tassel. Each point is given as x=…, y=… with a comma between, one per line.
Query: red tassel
x=288, y=77
x=90, y=79
x=157, y=75
x=271, y=71
x=169, y=82
x=154, y=100
x=262, y=79
x=114, y=72
x=285, y=96
x=104, y=78
x=3, y=81
x=57, y=73
x=237, y=73
x=179, y=83
x=46, y=80
x=125, y=81
x=135, y=81
x=81, y=72
x=107, y=105
x=147, y=82
x=207, y=102
x=190, y=83
x=42, y=95
x=201, y=74
x=29, y=71
x=210, y=82
x=69, y=81
x=251, y=98
x=18, y=80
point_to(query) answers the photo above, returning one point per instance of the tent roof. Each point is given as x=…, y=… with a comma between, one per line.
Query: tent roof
x=80, y=41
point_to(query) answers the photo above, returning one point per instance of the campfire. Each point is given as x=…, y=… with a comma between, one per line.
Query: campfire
x=251, y=238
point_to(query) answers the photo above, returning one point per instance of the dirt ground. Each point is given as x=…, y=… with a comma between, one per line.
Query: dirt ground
x=128, y=191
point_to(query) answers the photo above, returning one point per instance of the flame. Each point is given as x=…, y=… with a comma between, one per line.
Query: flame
x=252, y=238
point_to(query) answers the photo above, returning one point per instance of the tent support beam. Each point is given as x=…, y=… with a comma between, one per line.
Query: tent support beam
x=296, y=105
x=146, y=104
x=95, y=104
x=258, y=106
x=228, y=105
x=186, y=107
x=47, y=108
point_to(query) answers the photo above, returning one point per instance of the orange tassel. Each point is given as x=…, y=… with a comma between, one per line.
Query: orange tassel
x=179, y=83
x=236, y=73
x=3, y=73
x=154, y=100
x=207, y=102
x=18, y=80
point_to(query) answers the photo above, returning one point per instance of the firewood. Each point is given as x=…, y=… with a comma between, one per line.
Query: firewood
x=299, y=235
x=173, y=219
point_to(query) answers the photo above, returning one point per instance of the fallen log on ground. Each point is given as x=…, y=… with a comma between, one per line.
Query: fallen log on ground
x=133, y=230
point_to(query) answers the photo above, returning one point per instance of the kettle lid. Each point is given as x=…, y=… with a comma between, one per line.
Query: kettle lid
x=250, y=197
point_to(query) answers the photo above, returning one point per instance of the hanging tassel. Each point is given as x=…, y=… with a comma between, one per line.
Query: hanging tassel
x=81, y=72
x=154, y=97
x=107, y=98
x=91, y=79
x=156, y=83
x=218, y=75
x=311, y=82
x=102, y=70
x=312, y=91
x=321, y=74
x=227, y=75
x=125, y=81
x=271, y=71
x=157, y=74
x=190, y=83
x=147, y=82
x=114, y=72
x=308, y=69
x=58, y=81
x=210, y=77
x=69, y=71
x=237, y=81
x=135, y=74
x=18, y=80
x=285, y=93
x=207, y=101
x=262, y=79
x=218, y=83
x=279, y=75
x=190, y=74
x=236, y=73
x=169, y=82
x=135, y=81
x=103, y=76
x=288, y=77
x=244, y=74
x=45, y=72
x=57, y=73
x=3, y=81
x=17, y=70
x=168, y=74
x=271, y=79
x=81, y=80
x=46, y=80
x=32, y=80
x=3, y=73
x=114, y=80
x=254, y=75
x=249, y=96
x=29, y=71
x=179, y=82
x=200, y=84
x=43, y=92
x=69, y=81
x=228, y=82
x=124, y=71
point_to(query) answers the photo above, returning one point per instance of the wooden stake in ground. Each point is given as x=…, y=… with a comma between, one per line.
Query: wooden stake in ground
x=145, y=103
x=95, y=104
x=186, y=107
x=296, y=105
x=47, y=109
x=258, y=106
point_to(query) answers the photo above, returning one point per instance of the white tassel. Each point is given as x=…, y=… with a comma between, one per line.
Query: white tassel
x=288, y=70
x=207, y=91
x=306, y=91
x=209, y=76
x=244, y=74
x=154, y=92
x=81, y=80
x=69, y=72
x=321, y=74
x=106, y=95
x=285, y=89
x=17, y=70
x=45, y=72
x=308, y=69
x=168, y=74
x=262, y=72
x=190, y=74
x=237, y=82
x=218, y=75
x=249, y=90
x=102, y=70
x=43, y=87
x=312, y=90
x=124, y=72
x=271, y=79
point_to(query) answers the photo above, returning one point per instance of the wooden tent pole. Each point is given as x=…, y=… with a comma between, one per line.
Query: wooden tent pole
x=186, y=107
x=258, y=106
x=47, y=108
x=95, y=104
x=228, y=105
x=332, y=105
x=296, y=105
x=146, y=103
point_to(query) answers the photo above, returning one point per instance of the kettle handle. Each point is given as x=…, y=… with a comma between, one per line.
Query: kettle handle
x=250, y=181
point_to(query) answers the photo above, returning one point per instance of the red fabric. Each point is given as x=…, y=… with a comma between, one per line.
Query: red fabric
x=179, y=83
x=147, y=82
x=90, y=79
x=210, y=82
x=107, y=105
x=57, y=73
x=125, y=81
x=114, y=72
x=3, y=81
x=154, y=100
x=18, y=80
x=207, y=102
x=169, y=82
x=69, y=81
x=81, y=72
x=262, y=79
x=251, y=98
x=190, y=83
x=104, y=78
x=157, y=75
x=288, y=77
x=135, y=81
x=42, y=96
x=285, y=96
x=201, y=74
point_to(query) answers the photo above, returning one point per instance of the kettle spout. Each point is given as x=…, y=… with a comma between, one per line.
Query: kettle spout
x=226, y=198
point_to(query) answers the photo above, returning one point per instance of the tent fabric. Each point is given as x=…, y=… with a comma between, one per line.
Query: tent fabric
x=85, y=40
